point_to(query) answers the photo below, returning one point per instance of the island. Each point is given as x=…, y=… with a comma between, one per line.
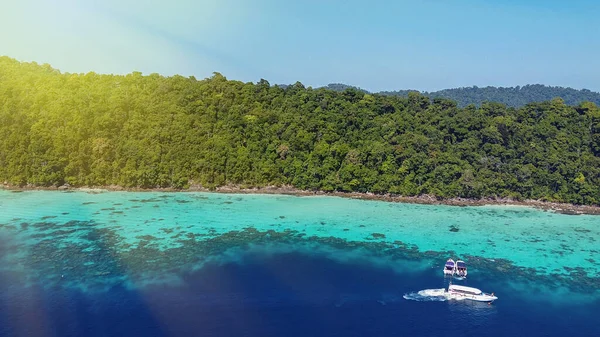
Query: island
x=134, y=131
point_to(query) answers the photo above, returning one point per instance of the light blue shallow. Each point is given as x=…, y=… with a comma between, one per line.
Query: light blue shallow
x=532, y=238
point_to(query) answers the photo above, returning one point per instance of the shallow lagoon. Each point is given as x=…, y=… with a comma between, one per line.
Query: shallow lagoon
x=529, y=238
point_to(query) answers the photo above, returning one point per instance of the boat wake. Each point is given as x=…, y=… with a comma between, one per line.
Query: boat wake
x=427, y=295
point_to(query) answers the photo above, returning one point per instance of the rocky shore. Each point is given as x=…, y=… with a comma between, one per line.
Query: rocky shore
x=423, y=199
x=289, y=190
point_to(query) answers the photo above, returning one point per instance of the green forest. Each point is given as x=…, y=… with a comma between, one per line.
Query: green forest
x=156, y=131
x=511, y=96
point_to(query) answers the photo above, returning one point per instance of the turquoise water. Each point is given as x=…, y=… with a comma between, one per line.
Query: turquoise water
x=82, y=238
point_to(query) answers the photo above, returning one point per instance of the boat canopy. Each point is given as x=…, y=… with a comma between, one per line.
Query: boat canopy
x=450, y=264
x=464, y=289
x=461, y=264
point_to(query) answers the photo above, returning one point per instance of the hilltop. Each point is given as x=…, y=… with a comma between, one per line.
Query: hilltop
x=510, y=96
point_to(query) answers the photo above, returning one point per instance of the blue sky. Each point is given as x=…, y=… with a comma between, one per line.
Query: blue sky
x=377, y=45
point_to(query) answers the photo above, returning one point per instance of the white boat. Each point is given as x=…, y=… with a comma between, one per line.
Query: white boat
x=449, y=267
x=457, y=292
x=461, y=268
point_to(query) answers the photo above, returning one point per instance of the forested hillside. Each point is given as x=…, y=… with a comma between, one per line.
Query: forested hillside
x=155, y=131
x=342, y=87
x=511, y=96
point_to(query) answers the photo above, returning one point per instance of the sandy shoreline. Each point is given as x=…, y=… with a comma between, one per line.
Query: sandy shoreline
x=288, y=190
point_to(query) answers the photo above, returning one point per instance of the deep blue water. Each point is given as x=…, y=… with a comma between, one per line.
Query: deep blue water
x=287, y=294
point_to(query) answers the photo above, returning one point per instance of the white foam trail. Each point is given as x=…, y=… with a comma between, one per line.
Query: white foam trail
x=427, y=295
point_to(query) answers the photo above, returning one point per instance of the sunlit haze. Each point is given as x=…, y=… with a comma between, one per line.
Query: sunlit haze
x=379, y=45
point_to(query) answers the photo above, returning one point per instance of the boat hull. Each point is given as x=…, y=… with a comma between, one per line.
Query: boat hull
x=449, y=295
x=477, y=298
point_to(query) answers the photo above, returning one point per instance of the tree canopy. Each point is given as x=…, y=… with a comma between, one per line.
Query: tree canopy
x=512, y=96
x=155, y=131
